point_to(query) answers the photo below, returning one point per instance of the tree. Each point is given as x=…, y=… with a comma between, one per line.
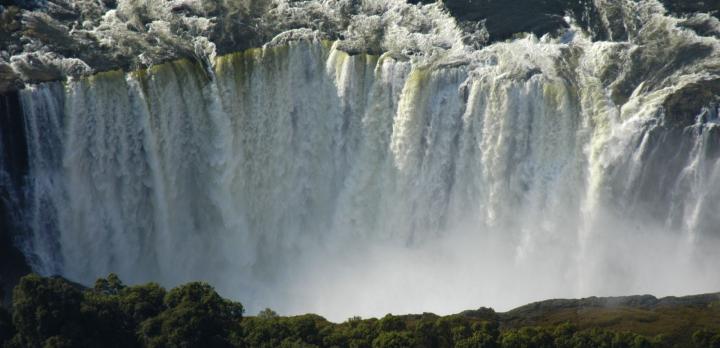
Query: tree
x=393, y=340
x=106, y=321
x=477, y=340
x=45, y=308
x=195, y=316
x=142, y=302
x=267, y=313
x=112, y=285
x=264, y=332
x=305, y=328
x=363, y=333
x=563, y=335
x=450, y=330
x=425, y=336
x=391, y=323
x=55, y=313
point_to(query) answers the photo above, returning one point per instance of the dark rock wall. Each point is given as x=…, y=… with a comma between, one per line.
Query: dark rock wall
x=682, y=7
x=505, y=18
x=13, y=172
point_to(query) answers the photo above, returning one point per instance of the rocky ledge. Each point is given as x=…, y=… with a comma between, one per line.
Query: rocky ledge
x=43, y=40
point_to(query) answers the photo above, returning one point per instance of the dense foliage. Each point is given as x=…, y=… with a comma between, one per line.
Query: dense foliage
x=52, y=312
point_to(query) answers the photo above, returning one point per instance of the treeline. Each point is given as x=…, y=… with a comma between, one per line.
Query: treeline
x=54, y=313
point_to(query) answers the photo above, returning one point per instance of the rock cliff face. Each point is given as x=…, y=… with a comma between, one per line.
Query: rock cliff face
x=505, y=18
x=13, y=153
x=49, y=40
x=684, y=7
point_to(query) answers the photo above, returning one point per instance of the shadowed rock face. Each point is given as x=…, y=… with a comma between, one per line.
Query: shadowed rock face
x=682, y=107
x=505, y=18
x=25, y=4
x=682, y=7
x=13, y=168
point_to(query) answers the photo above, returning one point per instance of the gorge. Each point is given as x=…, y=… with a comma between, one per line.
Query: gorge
x=361, y=157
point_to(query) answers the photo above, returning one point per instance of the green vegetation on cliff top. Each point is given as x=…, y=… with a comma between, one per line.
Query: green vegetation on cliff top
x=52, y=312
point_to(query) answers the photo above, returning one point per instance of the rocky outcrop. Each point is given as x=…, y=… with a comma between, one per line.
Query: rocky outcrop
x=53, y=39
x=503, y=19
x=50, y=40
x=685, y=7
x=686, y=104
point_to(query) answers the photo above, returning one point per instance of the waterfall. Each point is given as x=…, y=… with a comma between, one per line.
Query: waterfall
x=305, y=178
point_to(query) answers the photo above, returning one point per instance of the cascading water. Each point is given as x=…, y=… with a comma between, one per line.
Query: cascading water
x=305, y=178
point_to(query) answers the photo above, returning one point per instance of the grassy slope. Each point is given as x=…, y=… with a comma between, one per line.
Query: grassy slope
x=675, y=317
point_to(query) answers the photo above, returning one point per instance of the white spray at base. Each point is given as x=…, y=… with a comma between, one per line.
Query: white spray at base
x=304, y=179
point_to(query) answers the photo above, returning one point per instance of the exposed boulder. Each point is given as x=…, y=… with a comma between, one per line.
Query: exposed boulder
x=685, y=105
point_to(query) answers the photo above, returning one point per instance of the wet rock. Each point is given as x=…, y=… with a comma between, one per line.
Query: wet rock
x=37, y=67
x=685, y=7
x=504, y=19
x=13, y=151
x=683, y=107
x=9, y=79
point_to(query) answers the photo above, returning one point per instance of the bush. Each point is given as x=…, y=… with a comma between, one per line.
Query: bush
x=267, y=313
